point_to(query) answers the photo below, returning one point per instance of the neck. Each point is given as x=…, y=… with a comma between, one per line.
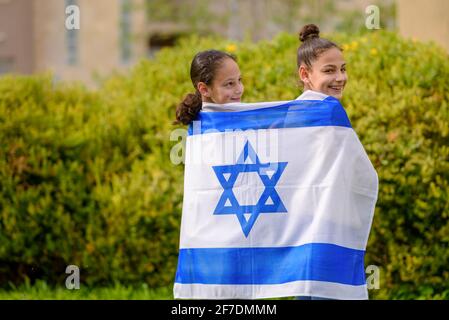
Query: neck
x=206, y=99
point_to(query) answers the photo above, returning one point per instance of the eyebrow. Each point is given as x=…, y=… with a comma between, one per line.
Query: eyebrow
x=333, y=65
x=229, y=79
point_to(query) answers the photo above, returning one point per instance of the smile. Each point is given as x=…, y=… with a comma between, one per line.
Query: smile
x=336, y=88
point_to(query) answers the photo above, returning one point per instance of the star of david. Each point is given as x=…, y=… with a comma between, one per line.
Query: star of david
x=269, y=201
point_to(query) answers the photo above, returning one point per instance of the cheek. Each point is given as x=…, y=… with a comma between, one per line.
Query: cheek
x=320, y=82
x=222, y=93
x=225, y=94
x=326, y=79
x=319, y=79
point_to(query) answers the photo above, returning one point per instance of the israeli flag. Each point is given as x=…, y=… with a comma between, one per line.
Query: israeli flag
x=279, y=199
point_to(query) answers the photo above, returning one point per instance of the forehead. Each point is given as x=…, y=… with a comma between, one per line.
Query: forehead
x=227, y=69
x=332, y=56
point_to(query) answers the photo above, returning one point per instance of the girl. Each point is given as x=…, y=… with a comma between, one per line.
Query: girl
x=322, y=71
x=216, y=78
x=321, y=66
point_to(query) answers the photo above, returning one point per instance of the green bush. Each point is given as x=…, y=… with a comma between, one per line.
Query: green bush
x=86, y=177
x=84, y=181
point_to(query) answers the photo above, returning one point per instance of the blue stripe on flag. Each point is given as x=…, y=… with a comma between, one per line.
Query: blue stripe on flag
x=293, y=114
x=276, y=265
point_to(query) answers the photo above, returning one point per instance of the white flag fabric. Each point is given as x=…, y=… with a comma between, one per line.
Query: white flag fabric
x=279, y=199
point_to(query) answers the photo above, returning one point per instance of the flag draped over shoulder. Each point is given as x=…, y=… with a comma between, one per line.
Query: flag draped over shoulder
x=279, y=199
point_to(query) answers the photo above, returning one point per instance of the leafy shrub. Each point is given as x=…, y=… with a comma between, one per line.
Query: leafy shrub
x=86, y=177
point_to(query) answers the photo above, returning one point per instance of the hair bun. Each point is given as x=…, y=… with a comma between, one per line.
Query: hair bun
x=309, y=31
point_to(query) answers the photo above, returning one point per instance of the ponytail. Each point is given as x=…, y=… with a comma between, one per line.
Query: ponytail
x=188, y=109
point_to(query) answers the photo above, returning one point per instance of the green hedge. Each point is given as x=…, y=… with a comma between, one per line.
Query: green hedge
x=84, y=181
x=86, y=177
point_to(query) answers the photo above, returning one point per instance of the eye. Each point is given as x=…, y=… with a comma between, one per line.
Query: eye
x=229, y=84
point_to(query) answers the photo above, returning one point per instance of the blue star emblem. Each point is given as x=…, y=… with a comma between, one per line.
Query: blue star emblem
x=269, y=201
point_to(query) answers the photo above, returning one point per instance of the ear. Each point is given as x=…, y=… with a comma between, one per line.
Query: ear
x=203, y=89
x=303, y=73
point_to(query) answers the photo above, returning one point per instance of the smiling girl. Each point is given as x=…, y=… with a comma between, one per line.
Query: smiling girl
x=321, y=66
x=322, y=71
x=216, y=78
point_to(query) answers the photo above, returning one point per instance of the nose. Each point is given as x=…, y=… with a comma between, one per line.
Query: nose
x=239, y=88
x=341, y=76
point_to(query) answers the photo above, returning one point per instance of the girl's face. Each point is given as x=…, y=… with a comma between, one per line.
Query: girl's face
x=327, y=75
x=227, y=85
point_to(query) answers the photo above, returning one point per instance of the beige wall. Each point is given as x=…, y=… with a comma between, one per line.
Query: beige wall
x=424, y=20
x=48, y=29
x=98, y=39
x=16, y=38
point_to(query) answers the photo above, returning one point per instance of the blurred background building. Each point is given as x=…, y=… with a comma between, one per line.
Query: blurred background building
x=425, y=20
x=114, y=34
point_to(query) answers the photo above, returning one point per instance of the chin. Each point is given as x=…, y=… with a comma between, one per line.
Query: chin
x=337, y=96
x=334, y=93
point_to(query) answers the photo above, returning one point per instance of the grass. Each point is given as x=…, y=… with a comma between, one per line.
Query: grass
x=41, y=291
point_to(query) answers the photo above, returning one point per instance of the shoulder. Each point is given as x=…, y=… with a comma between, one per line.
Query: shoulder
x=312, y=95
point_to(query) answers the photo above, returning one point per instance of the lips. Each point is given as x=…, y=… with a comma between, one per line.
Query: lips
x=337, y=88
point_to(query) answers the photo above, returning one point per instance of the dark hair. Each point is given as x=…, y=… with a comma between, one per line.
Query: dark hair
x=312, y=45
x=203, y=68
